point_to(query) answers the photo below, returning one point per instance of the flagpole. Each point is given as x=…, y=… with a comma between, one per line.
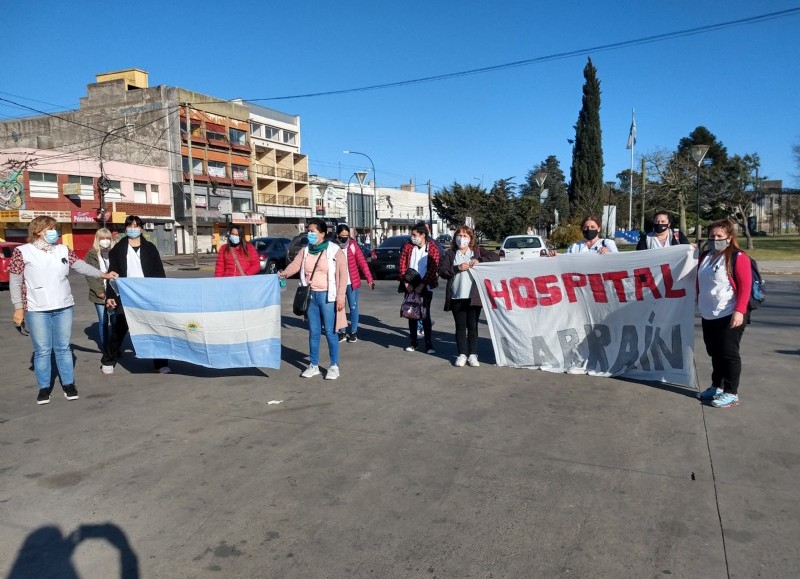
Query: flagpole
x=630, y=192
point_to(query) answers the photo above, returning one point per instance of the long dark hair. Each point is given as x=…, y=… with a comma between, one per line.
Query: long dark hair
x=242, y=242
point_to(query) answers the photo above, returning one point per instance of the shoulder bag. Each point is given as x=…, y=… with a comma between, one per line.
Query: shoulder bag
x=303, y=294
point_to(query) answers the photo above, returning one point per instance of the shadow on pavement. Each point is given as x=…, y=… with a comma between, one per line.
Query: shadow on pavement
x=46, y=553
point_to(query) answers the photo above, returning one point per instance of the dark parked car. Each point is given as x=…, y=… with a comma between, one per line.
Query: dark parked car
x=271, y=253
x=386, y=257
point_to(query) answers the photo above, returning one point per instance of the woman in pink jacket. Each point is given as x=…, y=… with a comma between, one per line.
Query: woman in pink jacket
x=237, y=256
x=356, y=265
x=724, y=280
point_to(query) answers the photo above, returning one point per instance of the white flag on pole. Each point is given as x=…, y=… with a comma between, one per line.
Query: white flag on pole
x=632, y=134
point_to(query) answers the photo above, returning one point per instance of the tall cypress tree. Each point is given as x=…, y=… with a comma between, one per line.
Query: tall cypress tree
x=586, y=173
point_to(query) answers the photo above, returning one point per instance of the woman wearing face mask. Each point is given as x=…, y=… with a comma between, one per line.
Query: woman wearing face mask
x=322, y=266
x=42, y=298
x=421, y=255
x=461, y=294
x=356, y=266
x=237, y=257
x=98, y=257
x=724, y=281
x=662, y=235
x=132, y=256
x=592, y=241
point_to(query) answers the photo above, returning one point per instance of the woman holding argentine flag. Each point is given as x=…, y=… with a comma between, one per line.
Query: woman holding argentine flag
x=323, y=267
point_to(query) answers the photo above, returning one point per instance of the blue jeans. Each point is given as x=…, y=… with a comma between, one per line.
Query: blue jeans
x=51, y=333
x=321, y=311
x=352, y=304
x=105, y=325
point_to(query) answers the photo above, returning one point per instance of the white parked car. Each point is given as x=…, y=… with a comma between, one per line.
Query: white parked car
x=519, y=247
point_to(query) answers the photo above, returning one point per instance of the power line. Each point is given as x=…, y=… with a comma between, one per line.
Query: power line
x=548, y=58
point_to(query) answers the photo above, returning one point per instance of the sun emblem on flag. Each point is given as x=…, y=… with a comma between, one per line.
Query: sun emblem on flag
x=192, y=327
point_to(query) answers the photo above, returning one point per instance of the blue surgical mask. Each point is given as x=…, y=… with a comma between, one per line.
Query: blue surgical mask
x=234, y=239
x=133, y=233
x=313, y=238
x=51, y=236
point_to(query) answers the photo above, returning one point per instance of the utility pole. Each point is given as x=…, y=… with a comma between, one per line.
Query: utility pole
x=644, y=182
x=191, y=186
x=430, y=208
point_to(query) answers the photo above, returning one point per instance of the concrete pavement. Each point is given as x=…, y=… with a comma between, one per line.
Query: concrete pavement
x=404, y=467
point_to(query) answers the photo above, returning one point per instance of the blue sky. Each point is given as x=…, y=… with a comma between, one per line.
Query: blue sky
x=741, y=83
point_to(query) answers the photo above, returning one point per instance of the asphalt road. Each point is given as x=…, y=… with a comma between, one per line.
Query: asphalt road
x=404, y=467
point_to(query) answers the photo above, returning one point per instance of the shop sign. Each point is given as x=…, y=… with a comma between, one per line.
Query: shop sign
x=83, y=217
x=59, y=216
x=9, y=216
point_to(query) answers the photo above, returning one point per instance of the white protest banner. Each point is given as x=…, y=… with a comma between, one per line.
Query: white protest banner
x=619, y=314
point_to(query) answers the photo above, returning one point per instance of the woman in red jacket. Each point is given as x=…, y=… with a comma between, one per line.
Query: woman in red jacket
x=237, y=257
x=724, y=281
x=355, y=264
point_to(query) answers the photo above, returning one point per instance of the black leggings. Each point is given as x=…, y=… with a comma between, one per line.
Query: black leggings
x=722, y=344
x=112, y=351
x=427, y=296
x=466, y=319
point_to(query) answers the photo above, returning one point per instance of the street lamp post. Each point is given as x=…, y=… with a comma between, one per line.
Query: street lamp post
x=698, y=154
x=374, y=190
x=539, y=178
x=103, y=182
x=361, y=175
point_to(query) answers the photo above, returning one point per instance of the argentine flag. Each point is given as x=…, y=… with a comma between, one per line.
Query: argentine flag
x=226, y=322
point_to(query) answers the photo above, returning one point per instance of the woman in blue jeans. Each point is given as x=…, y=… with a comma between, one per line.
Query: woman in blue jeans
x=322, y=266
x=97, y=257
x=42, y=298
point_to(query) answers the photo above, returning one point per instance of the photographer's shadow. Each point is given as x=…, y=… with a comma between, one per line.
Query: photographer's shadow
x=47, y=553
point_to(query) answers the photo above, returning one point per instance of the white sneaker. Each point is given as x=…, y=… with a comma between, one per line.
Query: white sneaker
x=310, y=372
x=165, y=370
x=473, y=361
x=333, y=373
x=107, y=369
x=461, y=361
x=410, y=349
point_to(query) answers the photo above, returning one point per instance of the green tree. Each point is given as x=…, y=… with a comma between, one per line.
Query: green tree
x=586, y=174
x=499, y=216
x=459, y=204
x=557, y=201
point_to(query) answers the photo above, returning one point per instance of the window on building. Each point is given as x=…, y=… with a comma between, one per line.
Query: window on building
x=272, y=133
x=420, y=211
x=195, y=127
x=85, y=186
x=197, y=163
x=114, y=190
x=217, y=169
x=241, y=205
x=215, y=132
x=43, y=184
x=289, y=137
x=140, y=193
x=237, y=137
x=153, y=193
x=240, y=172
x=257, y=130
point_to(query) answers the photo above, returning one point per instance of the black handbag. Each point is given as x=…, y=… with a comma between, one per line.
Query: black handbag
x=303, y=294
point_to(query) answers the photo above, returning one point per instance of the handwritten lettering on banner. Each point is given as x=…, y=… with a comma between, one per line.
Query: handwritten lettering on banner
x=623, y=314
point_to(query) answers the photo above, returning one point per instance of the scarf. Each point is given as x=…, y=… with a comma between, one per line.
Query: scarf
x=317, y=249
x=44, y=246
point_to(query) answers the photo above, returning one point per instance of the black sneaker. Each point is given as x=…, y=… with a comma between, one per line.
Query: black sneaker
x=342, y=337
x=351, y=338
x=70, y=392
x=44, y=396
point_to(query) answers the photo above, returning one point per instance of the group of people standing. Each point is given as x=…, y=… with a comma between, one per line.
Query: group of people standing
x=332, y=268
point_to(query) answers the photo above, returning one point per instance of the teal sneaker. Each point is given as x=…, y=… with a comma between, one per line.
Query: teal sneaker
x=725, y=400
x=710, y=393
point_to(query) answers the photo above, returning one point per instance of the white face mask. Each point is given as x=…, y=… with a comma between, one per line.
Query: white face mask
x=105, y=243
x=462, y=241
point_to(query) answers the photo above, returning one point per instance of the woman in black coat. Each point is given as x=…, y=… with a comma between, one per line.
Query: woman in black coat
x=461, y=294
x=132, y=256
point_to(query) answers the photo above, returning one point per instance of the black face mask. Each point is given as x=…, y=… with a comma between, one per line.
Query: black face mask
x=343, y=240
x=660, y=227
x=589, y=234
